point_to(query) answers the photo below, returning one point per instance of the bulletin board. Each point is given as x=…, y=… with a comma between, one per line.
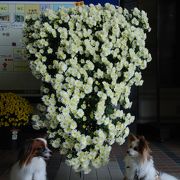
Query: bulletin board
x=14, y=68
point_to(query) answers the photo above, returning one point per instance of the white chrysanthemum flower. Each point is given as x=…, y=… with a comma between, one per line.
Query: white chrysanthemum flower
x=80, y=113
x=35, y=117
x=88, y=58
x=56, y=143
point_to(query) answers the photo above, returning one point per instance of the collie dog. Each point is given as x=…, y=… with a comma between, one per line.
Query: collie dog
x=31, y=164
x=139, y=164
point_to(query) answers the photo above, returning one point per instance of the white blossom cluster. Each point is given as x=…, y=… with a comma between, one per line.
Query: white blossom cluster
x=88, y=58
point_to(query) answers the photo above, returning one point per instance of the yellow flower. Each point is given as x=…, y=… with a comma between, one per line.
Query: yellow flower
x=14, y=110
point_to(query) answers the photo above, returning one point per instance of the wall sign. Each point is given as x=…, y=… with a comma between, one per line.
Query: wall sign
x=12, y=15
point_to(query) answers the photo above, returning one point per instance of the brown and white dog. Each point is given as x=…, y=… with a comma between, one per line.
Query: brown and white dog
x=139, y=164
x=31, y=163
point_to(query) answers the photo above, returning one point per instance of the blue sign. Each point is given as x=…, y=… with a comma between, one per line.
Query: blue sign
x=102, y=2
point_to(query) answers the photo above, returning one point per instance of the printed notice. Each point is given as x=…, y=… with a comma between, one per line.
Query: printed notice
x=12, y=17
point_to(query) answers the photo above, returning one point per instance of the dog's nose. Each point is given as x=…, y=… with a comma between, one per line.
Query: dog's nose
x=50, y=152
x=127, y=151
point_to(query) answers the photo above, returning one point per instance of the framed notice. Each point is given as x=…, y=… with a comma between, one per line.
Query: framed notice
x=14, y=68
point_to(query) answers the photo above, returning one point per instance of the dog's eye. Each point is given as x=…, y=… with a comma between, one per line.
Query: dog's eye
x=40, y=149
x=135, y=148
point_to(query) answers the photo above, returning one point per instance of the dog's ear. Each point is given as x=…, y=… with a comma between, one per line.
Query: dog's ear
x=142, y=144
x=131, y=137
x=144, y=147
x=25, y=153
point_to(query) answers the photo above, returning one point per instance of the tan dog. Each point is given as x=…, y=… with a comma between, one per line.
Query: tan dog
x=139, y=163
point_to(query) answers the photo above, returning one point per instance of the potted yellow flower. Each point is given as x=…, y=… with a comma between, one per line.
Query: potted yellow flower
x=14, y=112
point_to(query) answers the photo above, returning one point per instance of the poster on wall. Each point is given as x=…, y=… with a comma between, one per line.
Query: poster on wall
x=12, y=16
x=15, y=74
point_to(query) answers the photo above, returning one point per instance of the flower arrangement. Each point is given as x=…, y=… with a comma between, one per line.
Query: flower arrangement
x=14, y=110
x=88, y=58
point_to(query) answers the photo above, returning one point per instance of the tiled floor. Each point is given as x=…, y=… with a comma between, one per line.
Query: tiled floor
x=166, y=156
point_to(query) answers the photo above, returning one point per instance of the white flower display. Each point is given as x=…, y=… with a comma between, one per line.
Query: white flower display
x=87, y=58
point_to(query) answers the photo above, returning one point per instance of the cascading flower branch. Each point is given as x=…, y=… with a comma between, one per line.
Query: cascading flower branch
x=88, y=58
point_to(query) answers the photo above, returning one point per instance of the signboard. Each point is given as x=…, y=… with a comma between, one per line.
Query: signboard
x=12, y=15
x=14, y=70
